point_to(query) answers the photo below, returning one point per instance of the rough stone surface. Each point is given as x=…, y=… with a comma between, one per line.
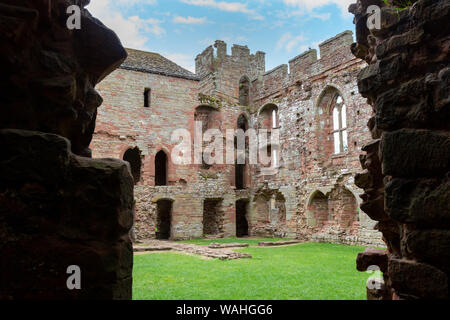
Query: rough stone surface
x=406, y=167
x=372, y=257
x=228, y=245
x=215, y=252
x=277, y=243
x=57, y=208
x=412, y=280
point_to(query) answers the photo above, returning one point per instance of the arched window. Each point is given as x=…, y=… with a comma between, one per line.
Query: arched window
x=274, y=118
x=268, y=117
x=272, y=154
x=244, y=91
x=133, y=157
x=340, y=125
x=161, y=169
x=331, y=123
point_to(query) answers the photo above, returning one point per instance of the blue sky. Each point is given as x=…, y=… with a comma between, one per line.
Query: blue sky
x=181, y=29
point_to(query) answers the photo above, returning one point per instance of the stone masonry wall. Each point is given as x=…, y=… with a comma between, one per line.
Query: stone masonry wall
x=307, y=164
x=277, y=204
x=406, y=165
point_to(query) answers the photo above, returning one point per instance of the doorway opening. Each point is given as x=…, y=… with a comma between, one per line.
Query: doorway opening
x=164, y=219
x=241, y=218
x=212, y=217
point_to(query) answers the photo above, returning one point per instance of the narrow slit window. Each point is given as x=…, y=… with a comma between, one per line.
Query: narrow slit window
x=274, y=119
x=147, y=97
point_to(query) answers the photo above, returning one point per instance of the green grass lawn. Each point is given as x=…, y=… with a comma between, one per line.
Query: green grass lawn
x=250, y=241
x=302, y=272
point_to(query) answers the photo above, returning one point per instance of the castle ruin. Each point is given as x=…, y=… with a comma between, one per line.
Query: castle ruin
x=322, y=122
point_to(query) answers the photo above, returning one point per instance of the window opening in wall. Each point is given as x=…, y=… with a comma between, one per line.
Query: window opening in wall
x=164, y=219
x=147, y=97
x=339, y=132
x=161, y=169
x=133, y=157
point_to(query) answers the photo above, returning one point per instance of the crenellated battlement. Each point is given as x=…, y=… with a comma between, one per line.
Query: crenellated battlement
x=214, y=57
x=303, y=62
x=333, y=52
x=308, y=61
x=221, y=73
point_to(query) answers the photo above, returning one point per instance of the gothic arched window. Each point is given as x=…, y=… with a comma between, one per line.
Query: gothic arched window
x=340, y=134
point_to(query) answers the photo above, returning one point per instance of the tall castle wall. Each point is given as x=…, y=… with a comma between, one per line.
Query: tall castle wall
x=311, y=175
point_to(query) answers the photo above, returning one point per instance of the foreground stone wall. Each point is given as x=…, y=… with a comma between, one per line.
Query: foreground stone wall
x=406, y=166
x=57, y=207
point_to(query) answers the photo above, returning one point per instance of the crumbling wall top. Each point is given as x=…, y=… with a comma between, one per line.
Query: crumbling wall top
x=303, y=61
x=332, y=53
x=330, y=46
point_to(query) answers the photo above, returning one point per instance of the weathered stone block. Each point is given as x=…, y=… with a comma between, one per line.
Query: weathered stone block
x=405, y=106
x=417, y=280
x=22, y=159
x=431, y=246
x=406, y=200
x=398, y=43
x=372, y=257
x=62, y=210
x=415, y=153
x=369, y=80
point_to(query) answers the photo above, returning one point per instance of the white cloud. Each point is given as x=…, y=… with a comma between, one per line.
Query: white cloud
x=182, y=60
x=226, y=6
x=289, y=42
x=313, y=4
x=206, y=42
x=133, y=31
x=189, y=20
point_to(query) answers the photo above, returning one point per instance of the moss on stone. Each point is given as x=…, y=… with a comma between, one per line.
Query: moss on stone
x=210, y=101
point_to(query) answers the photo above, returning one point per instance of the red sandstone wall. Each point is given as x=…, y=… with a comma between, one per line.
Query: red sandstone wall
x=307, y=162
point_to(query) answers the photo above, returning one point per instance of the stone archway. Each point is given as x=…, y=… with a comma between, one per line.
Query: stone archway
x=268, y=117
x=212, y=217
x=317, y=211
x=133, y=157
x=337, y=208
x=345, y=207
